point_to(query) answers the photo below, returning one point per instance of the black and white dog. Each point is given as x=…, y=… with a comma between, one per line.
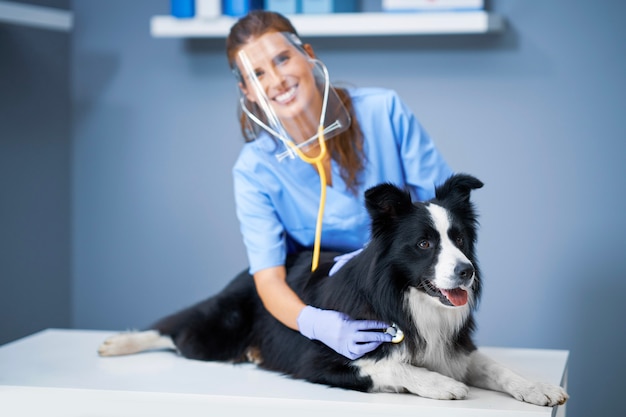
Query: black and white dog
x=419, y=271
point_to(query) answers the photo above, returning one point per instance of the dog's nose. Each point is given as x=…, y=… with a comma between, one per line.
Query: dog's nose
x=464, y=271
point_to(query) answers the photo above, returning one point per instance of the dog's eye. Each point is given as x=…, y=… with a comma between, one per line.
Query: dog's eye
x=459, y=241
x=423, y=244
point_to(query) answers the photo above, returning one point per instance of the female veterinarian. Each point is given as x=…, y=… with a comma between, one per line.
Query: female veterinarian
x=311, y=151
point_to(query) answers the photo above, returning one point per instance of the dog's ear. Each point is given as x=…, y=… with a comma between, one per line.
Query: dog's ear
x=457, y=189
x=386, y=201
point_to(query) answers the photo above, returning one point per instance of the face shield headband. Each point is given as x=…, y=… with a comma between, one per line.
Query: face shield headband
x=287, y=93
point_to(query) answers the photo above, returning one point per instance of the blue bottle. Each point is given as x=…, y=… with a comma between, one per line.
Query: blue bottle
x=183, y=9
x=238, y=8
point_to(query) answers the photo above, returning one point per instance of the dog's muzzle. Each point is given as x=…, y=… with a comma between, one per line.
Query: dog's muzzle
x=455, y=292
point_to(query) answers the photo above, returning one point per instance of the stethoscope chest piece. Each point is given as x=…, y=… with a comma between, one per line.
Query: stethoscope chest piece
x=396, y=334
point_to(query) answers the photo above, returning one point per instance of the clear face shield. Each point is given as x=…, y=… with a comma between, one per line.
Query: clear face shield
x=287, y=93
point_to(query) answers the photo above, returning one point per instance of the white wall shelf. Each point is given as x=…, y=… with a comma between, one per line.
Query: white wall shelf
x=343, y=24
x=36, y=16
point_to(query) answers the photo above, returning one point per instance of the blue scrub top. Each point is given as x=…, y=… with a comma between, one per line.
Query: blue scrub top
x=277, y=202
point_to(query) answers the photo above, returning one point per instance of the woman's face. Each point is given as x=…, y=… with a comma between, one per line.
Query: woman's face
x=285, y=76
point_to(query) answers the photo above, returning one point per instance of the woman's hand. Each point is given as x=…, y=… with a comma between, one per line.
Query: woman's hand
x=350, y=338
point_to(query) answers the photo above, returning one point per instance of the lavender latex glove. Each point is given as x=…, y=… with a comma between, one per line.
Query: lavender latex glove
x=350, y=338
x=341, y=260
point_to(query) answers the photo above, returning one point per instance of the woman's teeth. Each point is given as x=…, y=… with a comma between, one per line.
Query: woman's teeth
x=286, y=96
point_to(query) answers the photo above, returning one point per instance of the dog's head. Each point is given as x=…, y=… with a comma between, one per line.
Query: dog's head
x=429, y=246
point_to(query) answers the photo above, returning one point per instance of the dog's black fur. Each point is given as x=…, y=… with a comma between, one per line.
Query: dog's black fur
x=233, y=325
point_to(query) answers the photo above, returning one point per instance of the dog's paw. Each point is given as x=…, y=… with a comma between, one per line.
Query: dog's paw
x=540, y=393
x=119, y=344
x=134, y=342
x=439, y=387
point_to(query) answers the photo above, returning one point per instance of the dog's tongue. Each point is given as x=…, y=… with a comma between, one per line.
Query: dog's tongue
x=456, y=296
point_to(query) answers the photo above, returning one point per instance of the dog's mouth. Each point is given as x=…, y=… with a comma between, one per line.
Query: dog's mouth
x=454, y=297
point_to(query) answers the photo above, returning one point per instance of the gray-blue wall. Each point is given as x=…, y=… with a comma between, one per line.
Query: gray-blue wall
x=35, y=146
x=536, y=113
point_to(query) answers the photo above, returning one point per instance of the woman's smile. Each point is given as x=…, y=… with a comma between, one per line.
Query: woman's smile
x=287, y=96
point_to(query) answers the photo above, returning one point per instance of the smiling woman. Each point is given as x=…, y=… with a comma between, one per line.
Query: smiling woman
x=292, y=117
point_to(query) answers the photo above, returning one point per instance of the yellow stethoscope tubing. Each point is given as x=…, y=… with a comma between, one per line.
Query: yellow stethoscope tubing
x=318, y=162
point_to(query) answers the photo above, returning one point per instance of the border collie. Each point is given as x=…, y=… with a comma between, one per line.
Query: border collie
x=419, y=271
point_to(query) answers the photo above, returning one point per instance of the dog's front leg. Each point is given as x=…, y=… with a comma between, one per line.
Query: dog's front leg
x=486, y=373
x=391, y=376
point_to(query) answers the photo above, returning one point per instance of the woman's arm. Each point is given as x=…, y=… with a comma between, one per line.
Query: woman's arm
x=278, y=298
x=351, y=338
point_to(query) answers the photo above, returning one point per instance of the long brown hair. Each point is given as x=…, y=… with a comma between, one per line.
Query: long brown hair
x=347, y=147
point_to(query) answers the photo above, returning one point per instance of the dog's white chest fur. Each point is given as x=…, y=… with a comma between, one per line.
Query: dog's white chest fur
x=437, y=325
